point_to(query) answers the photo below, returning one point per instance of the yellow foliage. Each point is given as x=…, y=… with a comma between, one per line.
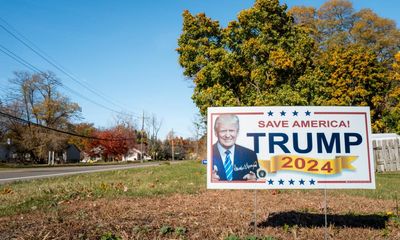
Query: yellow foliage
x=280, y=59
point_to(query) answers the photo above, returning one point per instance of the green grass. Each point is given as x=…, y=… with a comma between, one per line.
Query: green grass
x=387, y=187
x=187, y=178
x=19, y=197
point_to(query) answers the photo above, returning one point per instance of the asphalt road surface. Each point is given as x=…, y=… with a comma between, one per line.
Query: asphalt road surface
x=34, y=173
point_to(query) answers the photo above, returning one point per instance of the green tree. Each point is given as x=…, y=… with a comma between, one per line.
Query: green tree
x=255, y=60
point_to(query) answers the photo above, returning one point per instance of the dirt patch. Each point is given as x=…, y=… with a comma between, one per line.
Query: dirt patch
x=209, y=215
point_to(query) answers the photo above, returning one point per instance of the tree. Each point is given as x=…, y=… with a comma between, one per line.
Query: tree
x=355, y=63
x=335, y=19
x=35, y=98
x=336, y=23
x=255, y=60
x=153, y=126
x=199, y=130
x=305, y=56
x=352, y=76
x=392, y=116
x=175, y=147
x=306, y=18
x=378, y=34
x=85, y=129
x=115, y=142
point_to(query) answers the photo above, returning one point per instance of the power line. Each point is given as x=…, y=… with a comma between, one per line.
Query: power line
x=60, y=68
x=35, y=69
x=41, y=54
x=18, y=59
x=9, y=116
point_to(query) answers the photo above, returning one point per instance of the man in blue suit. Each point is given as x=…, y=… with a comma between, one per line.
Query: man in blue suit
x=231, y=162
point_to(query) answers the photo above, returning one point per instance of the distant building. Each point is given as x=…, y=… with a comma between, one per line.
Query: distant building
x=95, y=154
x=132, y=155
x=71, y=154
x=135, y=155
x=4, y=152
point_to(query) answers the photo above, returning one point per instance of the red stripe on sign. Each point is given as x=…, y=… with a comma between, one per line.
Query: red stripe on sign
x=340, y=113
x=239, y=113
x=348, y=181
x=238, y=181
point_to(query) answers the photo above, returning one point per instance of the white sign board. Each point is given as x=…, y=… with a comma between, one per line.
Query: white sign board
x=289, y=148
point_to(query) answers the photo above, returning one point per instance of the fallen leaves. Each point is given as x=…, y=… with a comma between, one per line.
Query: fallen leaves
x=206, y=215
x=7, y=190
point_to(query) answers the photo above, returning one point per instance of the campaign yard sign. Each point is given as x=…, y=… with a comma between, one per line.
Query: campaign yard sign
x=289, y=148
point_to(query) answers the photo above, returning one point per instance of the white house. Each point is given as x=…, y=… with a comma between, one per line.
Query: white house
x=96, y=155
x=132, y=155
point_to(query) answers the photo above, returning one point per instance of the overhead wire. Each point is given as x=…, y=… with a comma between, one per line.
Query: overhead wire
x=9, y=116
x=37, y=70
x=53, y=63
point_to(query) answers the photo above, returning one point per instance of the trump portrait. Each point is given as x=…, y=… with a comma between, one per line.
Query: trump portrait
x=231, y=162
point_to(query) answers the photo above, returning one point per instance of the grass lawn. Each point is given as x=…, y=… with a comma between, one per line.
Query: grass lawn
x=186, y=178
x=387, y=187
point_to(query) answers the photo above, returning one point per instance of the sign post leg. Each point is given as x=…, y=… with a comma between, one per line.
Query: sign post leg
x=255, y=212
x=326, y=216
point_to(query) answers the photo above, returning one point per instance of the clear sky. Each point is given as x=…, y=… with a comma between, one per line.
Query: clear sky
x=124, y=50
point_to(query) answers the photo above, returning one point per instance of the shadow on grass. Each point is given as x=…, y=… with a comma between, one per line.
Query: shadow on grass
x=309, y=220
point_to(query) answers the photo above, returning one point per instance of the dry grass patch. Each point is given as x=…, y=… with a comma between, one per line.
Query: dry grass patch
x=206, y=215
x=171, y=202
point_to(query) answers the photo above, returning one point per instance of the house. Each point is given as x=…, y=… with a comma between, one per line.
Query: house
x=4, y=152
x=71, y=154
x=132, y=155
x=94, y=155
x=9, y=153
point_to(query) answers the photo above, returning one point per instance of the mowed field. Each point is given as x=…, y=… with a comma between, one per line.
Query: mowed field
x=172, y=202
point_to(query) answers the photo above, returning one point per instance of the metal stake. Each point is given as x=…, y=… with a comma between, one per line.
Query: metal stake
x=255, y=212
x=326, y=217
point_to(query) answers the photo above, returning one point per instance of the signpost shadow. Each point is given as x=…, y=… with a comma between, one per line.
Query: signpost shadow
x=310, y=220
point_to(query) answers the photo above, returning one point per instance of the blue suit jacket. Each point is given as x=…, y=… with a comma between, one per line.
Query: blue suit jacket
x=244, y=162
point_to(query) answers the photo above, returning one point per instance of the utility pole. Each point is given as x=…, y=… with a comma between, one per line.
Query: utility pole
x=141, y=139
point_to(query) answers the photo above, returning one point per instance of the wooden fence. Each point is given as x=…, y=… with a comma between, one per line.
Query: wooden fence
x=387, y=154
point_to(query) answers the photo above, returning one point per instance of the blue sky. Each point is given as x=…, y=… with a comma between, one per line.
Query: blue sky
x=124, y=50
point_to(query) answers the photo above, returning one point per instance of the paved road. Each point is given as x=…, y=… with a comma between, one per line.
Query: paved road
x=33, y=173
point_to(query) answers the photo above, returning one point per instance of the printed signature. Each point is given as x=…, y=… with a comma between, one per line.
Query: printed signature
x=244, y=167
